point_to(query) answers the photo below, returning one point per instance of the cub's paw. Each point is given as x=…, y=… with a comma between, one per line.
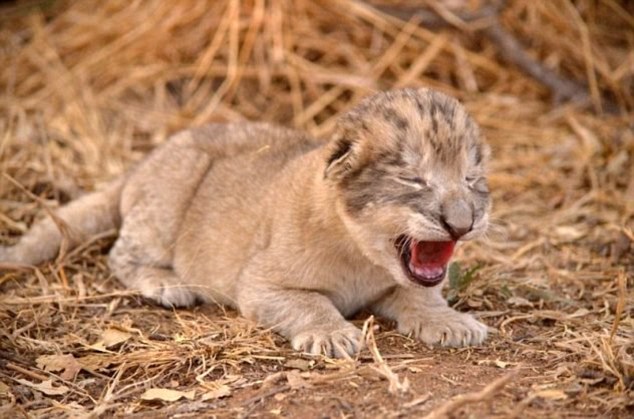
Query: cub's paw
x=175, y=297
x=337, y=343
x=167, y=294
x=443, y=326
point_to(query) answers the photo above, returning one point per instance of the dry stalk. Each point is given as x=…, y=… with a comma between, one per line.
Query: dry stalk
x=487, y=20
x=621, y=281
x=396, y=385
x=461, y=400
x=88, y=88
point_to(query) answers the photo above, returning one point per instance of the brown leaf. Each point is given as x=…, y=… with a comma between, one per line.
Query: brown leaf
x=300, y=364
x=45, y=387
x=55, y=363
x=519, y=302
x=567, y=234
x=109, y=338
x=497, y=363
x=579, y=313
x=94, y=361
x=272, y=380
x=222, y=391
x=295, y=381
x=552, y=394
x=501, y=364
x=167, y=395
x=4, y=389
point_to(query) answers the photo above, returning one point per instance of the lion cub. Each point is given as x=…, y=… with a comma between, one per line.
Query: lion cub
x=296, y=234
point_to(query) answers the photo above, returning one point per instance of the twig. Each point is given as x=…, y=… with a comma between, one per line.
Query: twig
x=268, y=393
x=417, y=401
x=396, y=385
x=431, y=20
x=28, y=373
x=37, y=376
x=620, y=304
x=457, y=402
x=511, y=50
x=56, y=299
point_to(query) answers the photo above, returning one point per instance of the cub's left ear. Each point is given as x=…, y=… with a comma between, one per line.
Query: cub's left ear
x=342, y=155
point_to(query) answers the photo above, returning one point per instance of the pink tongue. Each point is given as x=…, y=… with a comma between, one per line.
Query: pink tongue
x=429, y=258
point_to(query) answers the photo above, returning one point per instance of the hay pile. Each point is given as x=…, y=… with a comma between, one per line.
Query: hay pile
x=89, y=87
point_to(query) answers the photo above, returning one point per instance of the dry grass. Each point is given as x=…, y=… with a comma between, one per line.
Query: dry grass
x=89, y=87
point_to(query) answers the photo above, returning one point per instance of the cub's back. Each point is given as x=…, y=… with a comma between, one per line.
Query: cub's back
x=226, y=219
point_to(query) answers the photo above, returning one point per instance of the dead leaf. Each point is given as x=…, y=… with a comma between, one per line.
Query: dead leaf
x=109, y=338
x=55, y=363
x=112, y=337
x=501, y=364
x=567, y=234
x=280, y=397
x=222, y=391
x=579, y=313
x=300, y=364
x=474, y=303
x=295, y=381
x=519, y=302
x=272, y=380
x=496, y=362
x=45, y=387
x=4, y=389
x=551, y=394
x=94, y=362
x=167, y=395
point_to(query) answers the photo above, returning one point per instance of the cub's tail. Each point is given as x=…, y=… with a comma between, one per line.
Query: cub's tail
x=91, y=214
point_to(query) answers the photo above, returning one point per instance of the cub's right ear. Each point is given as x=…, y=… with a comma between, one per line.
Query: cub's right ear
x=341, y=154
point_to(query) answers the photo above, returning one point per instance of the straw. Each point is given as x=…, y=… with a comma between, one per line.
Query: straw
x=88, y=88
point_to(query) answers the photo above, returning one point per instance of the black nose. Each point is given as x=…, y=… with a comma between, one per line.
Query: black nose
x=456, y=231
x=457, y=218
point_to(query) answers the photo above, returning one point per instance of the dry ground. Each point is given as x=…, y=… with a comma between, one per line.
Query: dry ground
x=89, y=87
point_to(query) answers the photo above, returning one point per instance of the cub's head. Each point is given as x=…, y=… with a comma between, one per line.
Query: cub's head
x=408, y=171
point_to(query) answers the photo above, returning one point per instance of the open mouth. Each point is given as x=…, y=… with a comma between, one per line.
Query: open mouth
x=424, y=262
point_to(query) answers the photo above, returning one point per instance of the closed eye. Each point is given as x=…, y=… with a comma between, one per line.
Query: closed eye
x=415, y=181
x=477, y=183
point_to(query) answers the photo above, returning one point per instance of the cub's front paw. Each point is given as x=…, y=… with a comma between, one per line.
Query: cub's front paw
x=443, y=326
x=337, y=343
x=165, y=290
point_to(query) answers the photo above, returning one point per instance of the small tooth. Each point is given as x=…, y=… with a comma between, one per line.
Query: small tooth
x=431, y=272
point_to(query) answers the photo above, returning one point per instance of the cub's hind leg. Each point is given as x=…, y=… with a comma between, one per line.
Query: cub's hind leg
x=153, y=205
x=143, y=262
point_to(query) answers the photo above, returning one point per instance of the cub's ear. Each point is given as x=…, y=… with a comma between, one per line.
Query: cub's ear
x=342, y=155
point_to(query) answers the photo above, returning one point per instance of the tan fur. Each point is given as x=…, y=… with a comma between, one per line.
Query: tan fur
x=295, y=234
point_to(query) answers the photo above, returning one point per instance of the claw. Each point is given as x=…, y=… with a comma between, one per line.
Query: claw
x=446, y=327
x=339, y=343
